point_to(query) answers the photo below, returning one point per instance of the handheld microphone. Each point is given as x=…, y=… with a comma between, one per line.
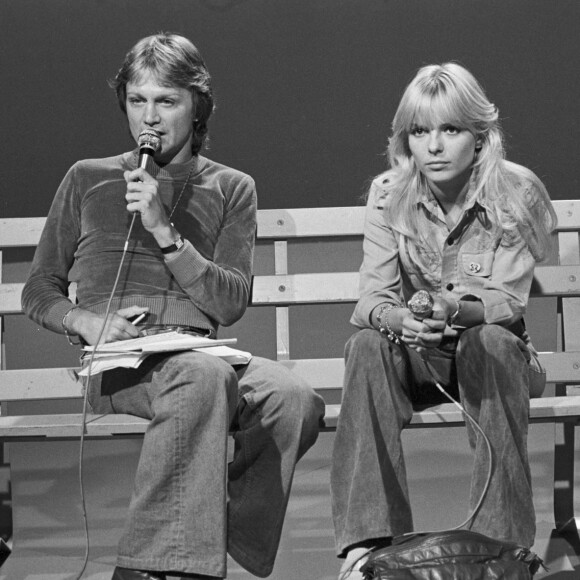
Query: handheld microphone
x=421, y=304
x=149, y=143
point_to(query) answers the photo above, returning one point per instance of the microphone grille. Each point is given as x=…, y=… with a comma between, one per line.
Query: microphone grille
x=149, y=138
x=421, y=304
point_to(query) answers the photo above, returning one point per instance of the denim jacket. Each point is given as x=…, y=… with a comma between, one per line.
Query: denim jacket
x=472, y=261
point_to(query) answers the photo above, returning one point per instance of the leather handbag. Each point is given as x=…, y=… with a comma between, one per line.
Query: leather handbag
x=453, y=555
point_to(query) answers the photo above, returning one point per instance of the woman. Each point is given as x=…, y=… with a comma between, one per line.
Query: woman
x=454, y=218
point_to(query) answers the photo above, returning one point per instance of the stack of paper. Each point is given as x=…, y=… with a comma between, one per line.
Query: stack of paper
x=131, y=353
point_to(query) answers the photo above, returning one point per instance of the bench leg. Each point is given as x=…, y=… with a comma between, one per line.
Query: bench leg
x=564, y=478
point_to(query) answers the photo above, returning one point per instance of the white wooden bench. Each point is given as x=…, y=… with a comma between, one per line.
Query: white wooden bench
x=282, y=290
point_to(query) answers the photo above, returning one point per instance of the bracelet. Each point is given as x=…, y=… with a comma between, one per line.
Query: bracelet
x=66, y=332
x=384, y=326
x=452, y=320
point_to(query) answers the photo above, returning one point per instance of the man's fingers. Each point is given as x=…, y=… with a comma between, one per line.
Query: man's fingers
x=132, y=311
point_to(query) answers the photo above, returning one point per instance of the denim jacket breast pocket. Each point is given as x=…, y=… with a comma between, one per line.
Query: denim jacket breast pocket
x=477, y=264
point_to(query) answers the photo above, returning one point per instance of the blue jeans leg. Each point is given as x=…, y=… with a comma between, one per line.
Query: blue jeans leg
x=277, y=422
x=494, y=372
x=368, y=477
x=187, y=508
x=177, y=518
x=495, y=378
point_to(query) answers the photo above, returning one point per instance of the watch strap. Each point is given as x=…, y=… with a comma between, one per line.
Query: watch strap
x=176, y=245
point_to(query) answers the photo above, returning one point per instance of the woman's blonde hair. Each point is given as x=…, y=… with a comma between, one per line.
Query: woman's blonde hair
x=515, y=198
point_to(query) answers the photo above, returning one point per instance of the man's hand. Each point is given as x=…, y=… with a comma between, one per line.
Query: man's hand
x=88, y=325
x=143, y=197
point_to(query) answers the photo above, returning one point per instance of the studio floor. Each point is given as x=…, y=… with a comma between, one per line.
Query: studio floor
x=438, y=463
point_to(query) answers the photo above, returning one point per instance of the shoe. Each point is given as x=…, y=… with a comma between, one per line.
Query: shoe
x=129, y=574
x=350, y=570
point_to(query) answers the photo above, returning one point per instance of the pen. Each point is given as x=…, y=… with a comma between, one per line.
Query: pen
x=139, y=318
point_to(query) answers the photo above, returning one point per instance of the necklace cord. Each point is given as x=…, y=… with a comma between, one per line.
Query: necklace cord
x=182, y=190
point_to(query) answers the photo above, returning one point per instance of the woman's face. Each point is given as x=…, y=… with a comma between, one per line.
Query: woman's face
x=444, y=154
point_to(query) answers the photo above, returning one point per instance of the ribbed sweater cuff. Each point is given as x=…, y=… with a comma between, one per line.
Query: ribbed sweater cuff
x=53, y=319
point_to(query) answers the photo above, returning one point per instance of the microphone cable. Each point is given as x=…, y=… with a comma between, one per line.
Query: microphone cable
x=421, y=306
x=149, y=143
x=86, y=397
x=477, y=426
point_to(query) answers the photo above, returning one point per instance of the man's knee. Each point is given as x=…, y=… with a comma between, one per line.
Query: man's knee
x=281, y=394
x=199, y=376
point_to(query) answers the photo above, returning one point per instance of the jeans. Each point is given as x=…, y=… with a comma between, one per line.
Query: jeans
x=189, y=508
x=493, y=372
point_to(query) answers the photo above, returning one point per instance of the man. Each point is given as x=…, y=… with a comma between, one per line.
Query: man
x=187, y=265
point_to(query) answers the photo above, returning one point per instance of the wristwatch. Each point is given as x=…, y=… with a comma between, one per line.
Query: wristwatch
x=176, y=245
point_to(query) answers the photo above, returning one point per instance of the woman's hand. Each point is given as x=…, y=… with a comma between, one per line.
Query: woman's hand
x=88, y=325
x=429, y=332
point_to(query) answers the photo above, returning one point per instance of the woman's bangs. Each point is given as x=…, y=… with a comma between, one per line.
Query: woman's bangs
x=437, y=110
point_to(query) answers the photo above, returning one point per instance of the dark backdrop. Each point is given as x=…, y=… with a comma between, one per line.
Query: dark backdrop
x=306, y=89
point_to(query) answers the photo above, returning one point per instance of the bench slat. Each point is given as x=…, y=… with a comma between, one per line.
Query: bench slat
x=20, y=232
x=336, y=287
x=68, y=426
x=277, y=223
x=543, y=410
x=568, y=212
x=305, y=288
x=310, y=222
x=61, y=383
x=10, y=295
x=39, y=384
x=546, y=409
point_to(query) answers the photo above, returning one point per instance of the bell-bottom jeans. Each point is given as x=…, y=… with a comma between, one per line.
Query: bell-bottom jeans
x=494, y=374
x=189, y=508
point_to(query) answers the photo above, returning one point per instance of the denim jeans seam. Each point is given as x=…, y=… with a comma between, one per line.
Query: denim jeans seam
x=168, y=565
x=179, y=450
x=248, y=473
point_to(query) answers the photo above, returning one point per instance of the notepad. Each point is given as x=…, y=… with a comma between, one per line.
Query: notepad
x=131, y=353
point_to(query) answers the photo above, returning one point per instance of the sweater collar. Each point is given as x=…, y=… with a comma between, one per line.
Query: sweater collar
x=172, y=171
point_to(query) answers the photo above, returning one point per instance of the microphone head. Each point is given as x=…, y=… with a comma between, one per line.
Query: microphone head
x=421, y=304
x=149, y=139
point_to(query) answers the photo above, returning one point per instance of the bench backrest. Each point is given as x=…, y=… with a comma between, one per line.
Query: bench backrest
x=283, y=289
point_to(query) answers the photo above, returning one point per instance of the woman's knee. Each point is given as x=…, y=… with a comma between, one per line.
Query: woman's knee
x=486, y=340
x=490, y=358
x=364, y=343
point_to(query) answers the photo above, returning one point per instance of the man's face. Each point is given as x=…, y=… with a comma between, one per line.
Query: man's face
x=168, y=110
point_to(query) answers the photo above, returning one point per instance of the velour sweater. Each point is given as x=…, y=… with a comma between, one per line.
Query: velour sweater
x=204, y=284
